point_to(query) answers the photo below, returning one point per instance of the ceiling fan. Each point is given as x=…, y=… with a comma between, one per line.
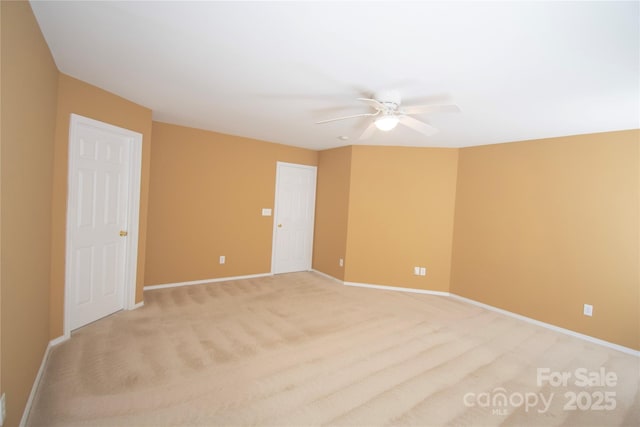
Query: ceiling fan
x=389, y=113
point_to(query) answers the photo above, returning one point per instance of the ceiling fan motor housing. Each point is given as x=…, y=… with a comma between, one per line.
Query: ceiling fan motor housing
x=389, y=98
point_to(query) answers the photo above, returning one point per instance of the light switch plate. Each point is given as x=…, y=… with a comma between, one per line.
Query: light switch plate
x=266, y=212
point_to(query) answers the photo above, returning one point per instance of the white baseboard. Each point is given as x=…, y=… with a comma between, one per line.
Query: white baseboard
x=397, y=288
x=328, y=276
x=200, y=282
x=589, y=338
x=36, y=381
x=137, y=305
x=584, y=337
x=62, y=338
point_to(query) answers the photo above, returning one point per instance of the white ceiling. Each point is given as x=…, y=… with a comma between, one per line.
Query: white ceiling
x=269, y=70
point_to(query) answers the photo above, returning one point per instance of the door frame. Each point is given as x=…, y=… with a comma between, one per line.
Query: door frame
x=133, y=214
x=275, y=211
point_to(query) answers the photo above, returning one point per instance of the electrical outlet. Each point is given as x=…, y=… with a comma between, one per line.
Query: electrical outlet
x=423, y=271
x=341, y=262
x=416, y=271
x=223, y=259
x=588, y=310
x=3, y=409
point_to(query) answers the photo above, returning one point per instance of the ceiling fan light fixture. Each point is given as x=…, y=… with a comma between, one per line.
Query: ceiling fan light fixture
x=387, y=122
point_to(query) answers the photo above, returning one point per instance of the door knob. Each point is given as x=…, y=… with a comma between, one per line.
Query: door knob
x=279, y=225
x=123, y=233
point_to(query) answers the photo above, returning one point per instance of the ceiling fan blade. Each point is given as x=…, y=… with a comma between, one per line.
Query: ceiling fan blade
x=423, y=109
x=373, y=103
x=368, y=131
x=346, y=117
x=418, y=126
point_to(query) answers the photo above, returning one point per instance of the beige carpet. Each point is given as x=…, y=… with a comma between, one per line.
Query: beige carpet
x=300, y=349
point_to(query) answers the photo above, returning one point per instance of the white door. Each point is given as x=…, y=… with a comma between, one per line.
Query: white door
x=102, y=193
x=294, y=213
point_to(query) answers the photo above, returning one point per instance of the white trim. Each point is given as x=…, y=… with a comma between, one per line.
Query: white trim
x=200, y=282
x=335, y=279
x=276, y=209
x=62, y=338
x=34, y=387
x=133, y=216
x=133, y=220
x=396, y=288
x=138, y=305
x=36, y=381
x=555, y=328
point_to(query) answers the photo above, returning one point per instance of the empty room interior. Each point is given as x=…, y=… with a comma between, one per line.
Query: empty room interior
x=320, y=213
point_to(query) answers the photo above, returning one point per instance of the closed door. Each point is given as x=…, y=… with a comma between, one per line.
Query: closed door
x=294, y=214
x=97, y=220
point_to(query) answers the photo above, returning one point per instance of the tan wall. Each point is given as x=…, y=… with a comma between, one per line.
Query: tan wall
x=332, y=208
x=401, y=215
x=29, y=85
x=75, y=96
x=544, y=226
x=206, y=195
